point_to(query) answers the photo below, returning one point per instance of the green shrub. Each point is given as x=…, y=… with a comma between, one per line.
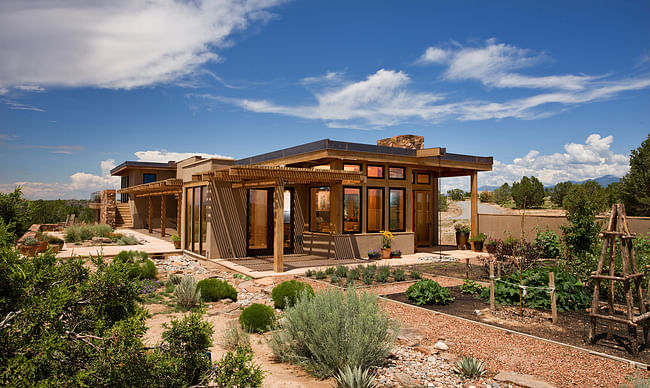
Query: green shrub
x=309, y=273
x=175, y=279
x=140, y=267
x=354, y=273
x=427, y=291
x=188, y=340
x=415, y=274
x=471, y=287
x=213, y=290
x=234, y=336
x=383, y=273
x=355, y=378
x=30, y=242
x=257, y=318
x=286, y=293
x=78, y=233
x=51, y=239
x=320, y=275
x=237, y=369
x=470, y=367
x=368, y=274
x=341, y=271
x=548, y=243
x=349, y=282
x=187, y=294
x=127, y=240
x=399, y=275
x=334, y=329
x=330, y=270
x=335, y=280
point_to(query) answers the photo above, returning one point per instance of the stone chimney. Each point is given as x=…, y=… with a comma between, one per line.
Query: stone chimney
x=410, y=142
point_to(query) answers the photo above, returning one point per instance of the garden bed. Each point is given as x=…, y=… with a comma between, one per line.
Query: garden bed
x=369, y=276
x=571, y=328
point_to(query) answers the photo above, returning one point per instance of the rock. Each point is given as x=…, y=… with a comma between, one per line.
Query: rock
x=100, y=240
x=478, y=313
x=441, y=346
x=523, y=380
x=495, y=385
x=426, y=350
x=405, y=380
x=265, y=281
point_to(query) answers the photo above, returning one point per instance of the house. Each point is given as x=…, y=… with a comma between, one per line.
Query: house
x=325, y=198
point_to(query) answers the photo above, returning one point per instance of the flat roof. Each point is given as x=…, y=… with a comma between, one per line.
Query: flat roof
x=171, y=165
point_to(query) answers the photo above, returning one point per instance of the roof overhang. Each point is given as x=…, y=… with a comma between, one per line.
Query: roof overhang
x=253, y=173
x=165, y=187
x=123, y=167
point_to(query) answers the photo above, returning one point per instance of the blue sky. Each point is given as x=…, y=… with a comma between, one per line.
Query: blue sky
x=558, y=90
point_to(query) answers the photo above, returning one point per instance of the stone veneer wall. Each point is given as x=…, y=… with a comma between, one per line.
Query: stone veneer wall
x=108, y=209
x=411, y=142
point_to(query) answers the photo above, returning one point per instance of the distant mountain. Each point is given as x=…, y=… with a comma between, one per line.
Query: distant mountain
x=604, y=181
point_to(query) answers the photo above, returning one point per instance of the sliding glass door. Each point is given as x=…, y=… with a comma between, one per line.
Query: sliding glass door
x=195, y=219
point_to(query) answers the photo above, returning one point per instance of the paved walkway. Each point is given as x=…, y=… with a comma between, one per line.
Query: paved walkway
x=152, y=245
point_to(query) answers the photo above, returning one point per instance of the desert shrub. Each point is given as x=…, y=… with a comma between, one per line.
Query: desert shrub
x=237, y=369
x=30, y=242
x=309, y=273
x=341, y=271
x=354, y=273
x=330, y=270
x=175, y=279
x=335, y=280
x=443, y=206
x=140, y=267
x=186, y=293
x=334, y=329
x=77, y=233
x=188, y=340
x=213, y=290
x=383, y=273
x=368, y=274
x=234, y=336
x=320, y=275
x=470, y=367
x=456, y=194
x=127, y=240
x=570, y=294
x=257, y=318
x=399, y=275
x=51, y=239
x=415, y=274
x=486, y=196
x=427, y=291
x=355, y=378
x=470, y=287
x=286, y=293
x=349, y=282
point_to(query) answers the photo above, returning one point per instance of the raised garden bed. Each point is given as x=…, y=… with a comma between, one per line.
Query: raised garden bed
x=364, y=276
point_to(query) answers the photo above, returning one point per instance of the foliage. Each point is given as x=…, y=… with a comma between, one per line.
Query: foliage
x=334, y=329
x=636, y=382
x=320, y=275
x=309, y=273
x=149, y=286
x=257, y=318
x=335, y=280
x=383, y=273
x=396, y=253
x=341, y=271
x=570, y=294
x=528, y=193
x=399, y=275
x=330, y=270
x=635, y=185
x=415, y=274
x=186, y=293
x=471, y=287
x=386, y=238
x=581, y=235
x=77, y=233
x=176, y=238
x=486, y=196
x=354, y=273
x=213, y=290
x=13, y=211
x=427, y=291
x=470, y=367
x=286, y=293
x=234, y=336
x=354, y=378
x=481, y=237
x=140, y=267
x=30, y=241
x=237, y=369
x=462, y=228
x=368, y=274
x=502, y=195
x=374, y=254
x=559, y=192
x=187, y=341
x=443, y=206
x=456, y=194
x=127, y=240
x=548, y=243
x=175, y=279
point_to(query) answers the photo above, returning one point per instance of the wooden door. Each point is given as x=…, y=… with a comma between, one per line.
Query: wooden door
x=422, y=221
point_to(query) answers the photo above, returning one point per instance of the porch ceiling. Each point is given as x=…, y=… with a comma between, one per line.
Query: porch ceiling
x=286, y=174
x=166, y=187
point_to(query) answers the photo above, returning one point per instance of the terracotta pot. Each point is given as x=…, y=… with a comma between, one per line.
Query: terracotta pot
x=42, y=247
x=28, y=250
x=385, y=253
x=177, y=244
x=461, y=240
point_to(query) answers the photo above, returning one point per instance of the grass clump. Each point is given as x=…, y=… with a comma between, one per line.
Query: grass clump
x=309, y=273
x=335, y=329
x=77, y=233
x=286, y=293
x=320, y=275
x=427, y=291
x=187, y=294
x=330, y=271
x=213, y=290
x=415, y=274
x=368, y=274
x=235, y=336
x=257, y=318
x=383, y=273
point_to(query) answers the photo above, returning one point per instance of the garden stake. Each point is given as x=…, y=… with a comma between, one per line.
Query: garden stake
x=467, y=268
x=492, y=285
x=551, y=284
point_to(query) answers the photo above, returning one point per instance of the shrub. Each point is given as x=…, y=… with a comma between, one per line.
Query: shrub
x=335, y=280
x=486, y=196
x=77, y=233
x=462, y=228
x=30, y=242
x=471, y=287
x=309, y=273
x=127, y=240
x=528, y=193
x=355, y=378
x=320, y=275
x=427, y=291
x=330, y=270
x=148, y=286
x=548, y=243
x=456, y=194
x=188, y=340
x=399, y=275
x=213, y=290
x=237, y=369
x=234, y=336
x=369, y=274
x=349, y=282
x=257, y=318
x=175, y=279
x=286, y=293
x=334, y=329
x=53, y=240
x=187, y=294
x=443, y=206
x=354, y=273
x=470, y=367
x=415, y=274
x=140, y=267
x=341, y=271
x=383, y=274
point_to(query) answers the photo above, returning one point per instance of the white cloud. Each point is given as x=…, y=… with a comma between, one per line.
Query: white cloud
x=30, y=88
x=18, y=106
x=164, y=156
x=330, y=76
x=3, y=91
x=116, y=43
x=434, y=55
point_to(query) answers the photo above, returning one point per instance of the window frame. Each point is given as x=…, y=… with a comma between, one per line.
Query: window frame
x=403, y=190
x=417, y=175
x=144, y=174
x=383, y=172
x=360, y=209
x=403, y=173
x=310, y=207
x=383, y=206
x=353, y=164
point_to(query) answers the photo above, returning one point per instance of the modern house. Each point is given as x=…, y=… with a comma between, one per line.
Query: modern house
x=326, y=198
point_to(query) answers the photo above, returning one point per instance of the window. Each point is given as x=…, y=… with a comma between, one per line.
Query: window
x=319, y=205
x=124, y=198
x=423, y=178
x=396, y=172
x=375, y=209
x=322, y=167
x=396, y=210
x=148, y=178
x=351, y=209
x=195, y=219
x=375, y=171
x=352, y=167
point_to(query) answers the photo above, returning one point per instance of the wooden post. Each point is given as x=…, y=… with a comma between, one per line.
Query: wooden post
x=278, y=236
x=179, y=207
x=467, y=268
x=474, y=205
x=551, y=284
x=163, y=214
x=492, y=285
x=150, y=216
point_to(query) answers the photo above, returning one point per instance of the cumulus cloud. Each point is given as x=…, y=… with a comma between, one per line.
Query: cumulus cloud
x=164, y=156
x=116, y=43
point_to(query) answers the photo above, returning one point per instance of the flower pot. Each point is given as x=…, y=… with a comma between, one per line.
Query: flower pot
x=385, y=253
x=177, y=244
x=461, y=240
x=28, y=250
x=478, y=246
x=42, y=247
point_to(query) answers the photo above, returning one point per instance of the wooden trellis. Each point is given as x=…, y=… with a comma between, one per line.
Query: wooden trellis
x=632, y=280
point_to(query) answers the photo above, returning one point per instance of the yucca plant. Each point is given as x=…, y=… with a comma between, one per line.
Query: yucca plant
x=355, y=378
x=470, y=367
x=187, y=295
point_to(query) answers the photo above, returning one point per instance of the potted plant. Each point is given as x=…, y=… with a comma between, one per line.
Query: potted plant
x=30, y=246
x=491, y=245
x=177, y=241
x=386, y=241
x=374, y=254
x=396, y=254
x=462, y=234
x=478, y=241
x=55, y=244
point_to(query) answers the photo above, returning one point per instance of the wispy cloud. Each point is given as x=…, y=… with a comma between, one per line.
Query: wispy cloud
x=18, y=106
x=55, y=149
x=117, y=43
x=329, y=77
x=164, y=156
x=30, y=88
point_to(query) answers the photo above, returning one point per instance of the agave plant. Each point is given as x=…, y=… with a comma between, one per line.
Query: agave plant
x=355, y=378
x=470, y=367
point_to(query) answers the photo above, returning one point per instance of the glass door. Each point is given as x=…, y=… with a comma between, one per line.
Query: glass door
x=422, y=217
x=288, y=221
x=260, y=218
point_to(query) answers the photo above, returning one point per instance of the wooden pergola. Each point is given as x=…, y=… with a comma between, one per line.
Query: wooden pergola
x=277, y=177
x=159, y=189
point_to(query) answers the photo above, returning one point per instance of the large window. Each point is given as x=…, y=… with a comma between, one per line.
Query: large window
x=148, y=178
x=352, y=167
x=319, y=208
x=195, y=219
x=375, y=171
x=351, y=209
x=375, y=209
x=396, y=172
x=396, y=199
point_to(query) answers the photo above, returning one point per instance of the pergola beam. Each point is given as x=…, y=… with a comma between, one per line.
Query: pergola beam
x=278, y=236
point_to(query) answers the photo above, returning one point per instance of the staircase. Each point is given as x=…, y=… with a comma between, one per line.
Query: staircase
x=123, y=218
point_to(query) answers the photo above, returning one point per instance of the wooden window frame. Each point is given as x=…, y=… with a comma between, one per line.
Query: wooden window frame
x=360, y=209
x=353, y=164
x=403, y=190
x=383, y=207
x=310, y=206
x=383, y=171
x=403, y=173
x=428, y=175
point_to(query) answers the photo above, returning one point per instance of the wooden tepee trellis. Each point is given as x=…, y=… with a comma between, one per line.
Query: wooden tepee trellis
x=632, y=286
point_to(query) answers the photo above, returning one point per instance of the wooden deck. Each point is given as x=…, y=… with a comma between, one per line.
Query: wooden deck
x=265, y=263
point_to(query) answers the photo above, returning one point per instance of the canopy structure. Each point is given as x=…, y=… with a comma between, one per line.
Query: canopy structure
x=242, y=174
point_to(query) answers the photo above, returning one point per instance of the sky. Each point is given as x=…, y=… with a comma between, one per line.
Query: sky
x=555, y=89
